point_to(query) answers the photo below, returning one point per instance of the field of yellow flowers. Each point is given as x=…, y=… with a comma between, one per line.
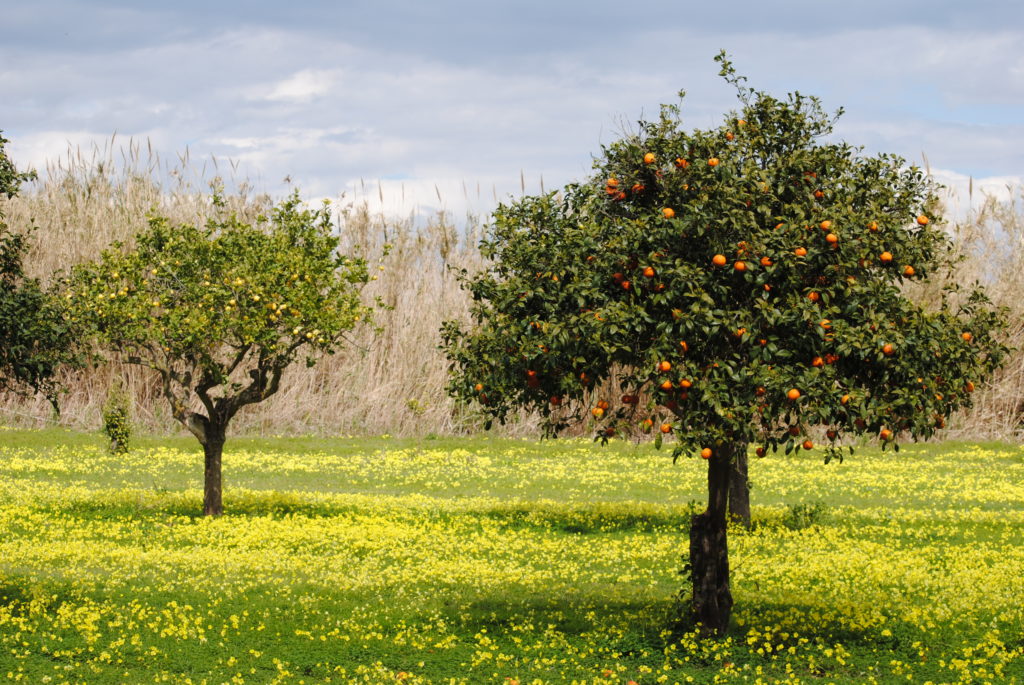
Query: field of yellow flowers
x=495, y=561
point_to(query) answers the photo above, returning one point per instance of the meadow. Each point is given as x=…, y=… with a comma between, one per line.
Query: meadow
x=490, y=560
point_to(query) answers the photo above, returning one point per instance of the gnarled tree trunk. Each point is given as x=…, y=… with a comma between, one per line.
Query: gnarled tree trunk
x=739, y=489
x=709, y=551
x=213, y=448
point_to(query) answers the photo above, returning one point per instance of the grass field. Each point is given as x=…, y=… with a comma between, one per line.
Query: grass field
x=493, y=561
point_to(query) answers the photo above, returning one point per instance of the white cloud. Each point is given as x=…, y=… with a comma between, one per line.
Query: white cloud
x=962, y=193
x=303, y=86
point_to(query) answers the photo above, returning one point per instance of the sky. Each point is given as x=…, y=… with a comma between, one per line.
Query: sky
x=455, y=104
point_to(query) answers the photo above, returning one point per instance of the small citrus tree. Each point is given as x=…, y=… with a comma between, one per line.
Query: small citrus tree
x=34, y=340
x=219, y=312
x=743, y=285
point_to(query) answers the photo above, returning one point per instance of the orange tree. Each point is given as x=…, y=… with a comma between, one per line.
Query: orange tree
x=34, y=339
x=743, y=285
x=219, y=312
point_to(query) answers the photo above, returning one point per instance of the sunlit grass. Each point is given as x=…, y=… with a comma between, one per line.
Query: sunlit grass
x=382, y=560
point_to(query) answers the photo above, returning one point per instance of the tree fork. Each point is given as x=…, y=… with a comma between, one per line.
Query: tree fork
x=709, y=552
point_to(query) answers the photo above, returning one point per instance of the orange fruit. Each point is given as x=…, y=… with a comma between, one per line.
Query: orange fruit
x=705, y=453
x=826, y=324
x=818, y=362
x=685, y=383
x=666, y=385
x=793, y=394
x=649, y=272
x=885, y=434
x=597, y=412
x=612, y=182
x=479, y=387
x=649, y=158
x=779, y=225
x=760, y=391
x=682, y=344
x=888, y=349
x=625, y=285
x=647, y=424
x=739, y=332
x=908, y=271
x=666, y=428
x=602, y=404
x=664, y=366
x=825, y=225
x=729, y=135
x=818, y=194
x=969, y=386
x=668, y=212
x=885, y=257
x=638, y=188
x=831, y=239
x=719, y=260
x=922, y=220
x=766, y=261
x=800, y=252
x=759, y=451
x=740, y=266
x=620, y=195
x=873, y=226
x=831, y=434
x=813, y=296
x=966, y=335
x=808, y=445
x=681, y=163
x=713, y=161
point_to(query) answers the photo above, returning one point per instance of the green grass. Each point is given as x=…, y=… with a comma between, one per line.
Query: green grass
x=480, y=560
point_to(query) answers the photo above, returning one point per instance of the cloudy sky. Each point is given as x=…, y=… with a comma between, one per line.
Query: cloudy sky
x=460, y=98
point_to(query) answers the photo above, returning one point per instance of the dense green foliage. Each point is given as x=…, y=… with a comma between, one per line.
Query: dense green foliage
x=741, y=285
x=222, y=310
x=34, y=340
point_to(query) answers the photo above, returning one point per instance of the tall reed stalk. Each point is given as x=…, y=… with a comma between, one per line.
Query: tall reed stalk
x=392, y=382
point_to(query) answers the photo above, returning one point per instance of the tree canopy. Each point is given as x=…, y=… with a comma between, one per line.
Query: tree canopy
x=34, y=340
x=220, y=311
x=744, y=284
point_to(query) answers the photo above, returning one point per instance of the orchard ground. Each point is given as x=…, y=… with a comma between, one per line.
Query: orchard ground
x=496, y=561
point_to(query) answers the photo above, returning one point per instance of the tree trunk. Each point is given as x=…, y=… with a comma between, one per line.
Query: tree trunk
x=709, y=552
x=739, y=489
x=213, y=448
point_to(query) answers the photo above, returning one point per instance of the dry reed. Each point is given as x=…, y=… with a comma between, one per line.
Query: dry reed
x=392, y=382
